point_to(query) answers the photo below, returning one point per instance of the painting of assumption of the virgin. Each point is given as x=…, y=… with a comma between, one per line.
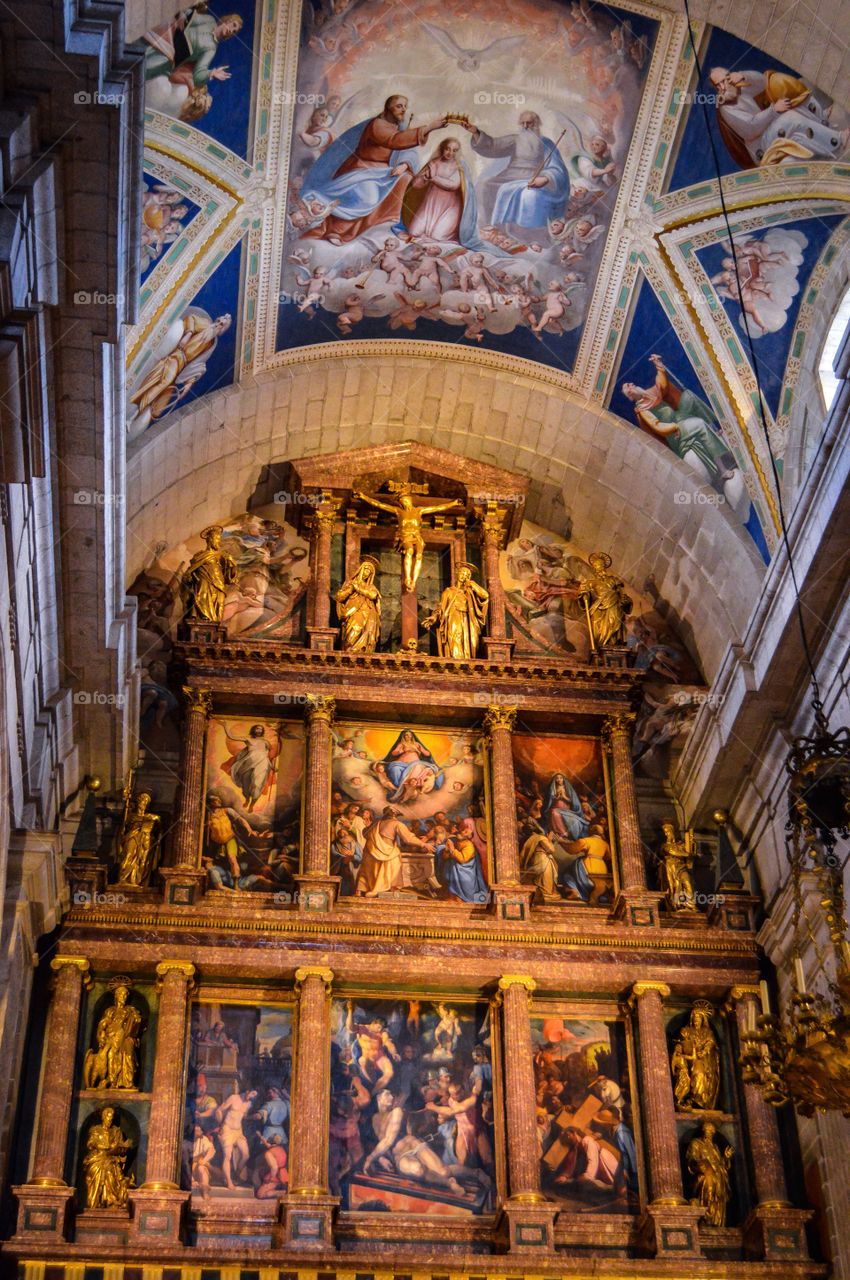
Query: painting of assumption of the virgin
x=251, y=837
x=408, y=813
x=454, y=178
x=236, y=1131
x=588, y=1148
x=411, y=1112
x=562, y=819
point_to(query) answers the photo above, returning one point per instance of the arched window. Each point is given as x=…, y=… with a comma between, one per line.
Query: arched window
x=828, y=381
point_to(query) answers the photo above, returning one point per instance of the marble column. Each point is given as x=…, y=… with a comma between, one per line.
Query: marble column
x=322, y=521
x=496, y=642
x=306, y=1220
x=511, y=899
x=44, y=1201
x=317, y=888
x=670, y=1224
x=634, y=902
x=159, y=1203
x=182, y=877
x=773, y=1229
x=527, y=1215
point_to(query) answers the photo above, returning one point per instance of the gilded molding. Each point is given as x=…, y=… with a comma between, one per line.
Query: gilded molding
x=643, y=988
x=183, y=967
x=73, y=962
x=509, y=980
x=314, y=971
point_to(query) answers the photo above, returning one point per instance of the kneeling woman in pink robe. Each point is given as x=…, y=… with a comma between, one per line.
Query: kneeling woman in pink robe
x=433, y=204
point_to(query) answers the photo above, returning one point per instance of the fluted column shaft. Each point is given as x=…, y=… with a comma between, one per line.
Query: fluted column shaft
x=617, y=732
x=520, y=1090
x=500, y=722
x=311, y=1083
x=321, y=532
x=317, y=781
x=186, y=839
x=57, y=1089
x=762, y=1128
x=174, y=982
x=659, y=1129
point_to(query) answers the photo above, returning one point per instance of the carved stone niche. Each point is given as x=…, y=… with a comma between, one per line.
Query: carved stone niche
x=321, y=502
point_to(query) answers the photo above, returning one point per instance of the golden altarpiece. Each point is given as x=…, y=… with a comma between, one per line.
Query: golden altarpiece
x=383, y=974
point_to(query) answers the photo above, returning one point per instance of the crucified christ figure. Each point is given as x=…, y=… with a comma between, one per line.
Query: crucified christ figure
x=408, y=540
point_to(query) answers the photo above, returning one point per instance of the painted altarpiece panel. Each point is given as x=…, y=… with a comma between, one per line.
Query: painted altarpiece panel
x=413, y=1125
x=236, y=1119
x=409, y=813
x=564, y=819
x=252, y=826
x=587, y=1125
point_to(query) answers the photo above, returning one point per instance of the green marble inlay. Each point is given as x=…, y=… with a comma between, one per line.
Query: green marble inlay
x=661, y=155
x=735, y=350
x=798, y=342
x=174, y=254
x=264, y=122
x=795, y=170
x=218, y=152
x=747, y=179
x=612, y=340
x=786, y=399
x=600, y=382
x=694, y=193
x=624, y=296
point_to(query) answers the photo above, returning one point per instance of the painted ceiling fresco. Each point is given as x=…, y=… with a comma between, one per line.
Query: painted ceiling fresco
x=528, y=187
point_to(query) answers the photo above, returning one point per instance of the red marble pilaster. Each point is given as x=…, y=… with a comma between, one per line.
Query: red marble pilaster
x=322, y=522
x=670, y=1223
x=634, y=902
x=527, y=1217
x=182, y=876
x=317, y=888
x=493, y=530
x=511, y=899
x=306, y=1212
x=44, y=1201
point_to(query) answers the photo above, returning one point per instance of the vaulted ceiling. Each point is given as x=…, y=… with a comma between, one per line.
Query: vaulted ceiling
x=588, y=330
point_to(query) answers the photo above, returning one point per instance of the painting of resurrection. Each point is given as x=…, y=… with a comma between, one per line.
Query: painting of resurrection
x=588, y=1152
x=407, y=813
x=412, y=1117
x=454, y=178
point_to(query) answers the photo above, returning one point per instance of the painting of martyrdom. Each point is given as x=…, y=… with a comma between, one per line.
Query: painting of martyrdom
x=236, y=1134
x=253, y=803
x=407, y=813
x=411, y=1118
x=439, y=202
x=588, y=1153
x=562, y=819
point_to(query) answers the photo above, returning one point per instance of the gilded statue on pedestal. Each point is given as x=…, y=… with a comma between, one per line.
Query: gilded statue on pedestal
x=207, y=578
x=695, y=1062
x=107, y=1185
x=606, y=603
x=408, y=541
x=710, y=1168
x=137, y=842
x=358, y=603
x=113, y=1063
x=675, y=862
x=460, y=616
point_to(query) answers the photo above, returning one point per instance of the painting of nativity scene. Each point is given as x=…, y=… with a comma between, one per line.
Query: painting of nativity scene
x=407, y=813
x=585, y=1130
x=412, y=1119
x=236, y=1133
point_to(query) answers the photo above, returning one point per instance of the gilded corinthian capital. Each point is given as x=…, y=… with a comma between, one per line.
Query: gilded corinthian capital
x=499, y=717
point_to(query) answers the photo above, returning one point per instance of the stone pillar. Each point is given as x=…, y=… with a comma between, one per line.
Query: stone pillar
x=183, y=877
x=634, y=902
x=511, y=900
x=322, y=520
x=773, y=1230
x=527, y=1217
x=158, y=1205
x=306, y=1212
x=670, y=1223
x=44, y=1201
x=499, y=647
x=317, y=888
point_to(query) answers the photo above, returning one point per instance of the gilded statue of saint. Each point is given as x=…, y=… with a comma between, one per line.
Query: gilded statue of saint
x=408, y=540
x=460, y=616
x=676, y=861
x=137, y=843
x=710, y=1169
x=606, y=603
x=358, y=604
x=695, y=1062
x=207, y=578
x=112, y=1064
x=107, y=1184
